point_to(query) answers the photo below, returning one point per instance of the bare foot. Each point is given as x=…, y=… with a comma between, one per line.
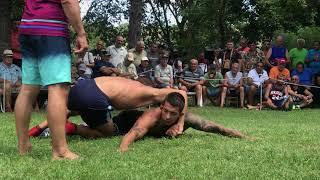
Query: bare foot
x=24, y=148
x=66, y=155
x=251, y=107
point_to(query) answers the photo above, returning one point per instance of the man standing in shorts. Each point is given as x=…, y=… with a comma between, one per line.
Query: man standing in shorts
x=46, y=61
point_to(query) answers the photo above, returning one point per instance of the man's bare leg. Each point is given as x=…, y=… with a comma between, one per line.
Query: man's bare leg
x=57, y=116
x=198, y=90
x=87, y=132
x=106, y=130
x=23, y=109
x=241, y=96
x=8, y=93
x=223, y=96
x=251, y=94
x=201, y=124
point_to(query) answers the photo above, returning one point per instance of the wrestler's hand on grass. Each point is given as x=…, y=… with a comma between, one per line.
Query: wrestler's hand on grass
x=174, y=131
x=81, y=44
x=123, y=149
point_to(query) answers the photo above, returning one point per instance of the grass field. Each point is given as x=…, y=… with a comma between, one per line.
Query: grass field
x=287, y=147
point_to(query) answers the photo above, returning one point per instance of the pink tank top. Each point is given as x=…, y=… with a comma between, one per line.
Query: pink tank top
x=44, y=17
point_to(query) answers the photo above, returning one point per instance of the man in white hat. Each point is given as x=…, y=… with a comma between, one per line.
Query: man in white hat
x=10, y=77
x=127, y=68
x=164, y=73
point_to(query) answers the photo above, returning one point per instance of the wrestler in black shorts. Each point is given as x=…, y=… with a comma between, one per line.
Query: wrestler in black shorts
x=92, y=104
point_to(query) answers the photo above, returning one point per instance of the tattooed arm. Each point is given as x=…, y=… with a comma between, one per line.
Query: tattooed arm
x=199, y=123
x=140, y=128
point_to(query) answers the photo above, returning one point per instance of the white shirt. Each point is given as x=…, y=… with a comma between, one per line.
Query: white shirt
x=234, y=80
x=256, y=79
x=165, y=74
x=117, y=54
x=87, y=59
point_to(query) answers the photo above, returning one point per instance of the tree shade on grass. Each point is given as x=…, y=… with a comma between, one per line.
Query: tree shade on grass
x=286, y=146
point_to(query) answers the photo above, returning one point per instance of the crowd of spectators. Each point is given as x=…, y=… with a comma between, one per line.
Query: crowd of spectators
x=271, y=76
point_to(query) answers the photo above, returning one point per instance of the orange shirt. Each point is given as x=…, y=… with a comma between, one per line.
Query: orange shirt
x=276, y=74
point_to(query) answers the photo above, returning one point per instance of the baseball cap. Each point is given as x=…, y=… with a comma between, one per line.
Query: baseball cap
x=130, y=56
x=7, y=52
x=144, y=59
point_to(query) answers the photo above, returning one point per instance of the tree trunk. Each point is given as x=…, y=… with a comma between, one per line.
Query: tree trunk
x=221, y=23
x=4, y=24
x=135, y=20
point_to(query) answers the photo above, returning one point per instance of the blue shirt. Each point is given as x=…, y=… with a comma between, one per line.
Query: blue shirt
x=11, y=73
x=99, y=64
x=277, y=52
x=314, y=64
x=305, y=76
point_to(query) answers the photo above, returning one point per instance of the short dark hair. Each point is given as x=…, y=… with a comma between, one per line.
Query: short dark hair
x=300, y=63
x=259, y=62
x=251, y=42
x=175, y=99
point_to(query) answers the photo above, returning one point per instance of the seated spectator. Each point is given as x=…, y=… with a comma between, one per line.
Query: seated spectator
x=192, y=80
x=178, y=68
x=98, y=51
x=252, y=57
x=10, y=77
x=144, y=70
x=82, y=68
x=300, y=96
x=305, y=74
x=277, y=96
x=266, y=46
x=87, y=60
x=127, y=69
x=228, y=57
x=153, y=55
x=145, y=73
x=316, y=90
x=213, y=81
x=217, y=59
x=279, y=71
x=177, y=73
x=298, y=54
x=203, y=62
x=313, y=58
x=243, y=49
x=278, y=51
x=104, y=67
x=163, y=73
x=233, y=84
x=138, y=52
x=257, y=79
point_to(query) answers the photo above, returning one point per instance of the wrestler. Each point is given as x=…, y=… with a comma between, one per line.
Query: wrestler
x=154, y=122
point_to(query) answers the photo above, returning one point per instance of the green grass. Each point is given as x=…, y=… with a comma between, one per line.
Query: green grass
x=287, y=147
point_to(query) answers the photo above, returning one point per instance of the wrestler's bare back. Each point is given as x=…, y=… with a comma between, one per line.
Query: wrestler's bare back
x=128, y=94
